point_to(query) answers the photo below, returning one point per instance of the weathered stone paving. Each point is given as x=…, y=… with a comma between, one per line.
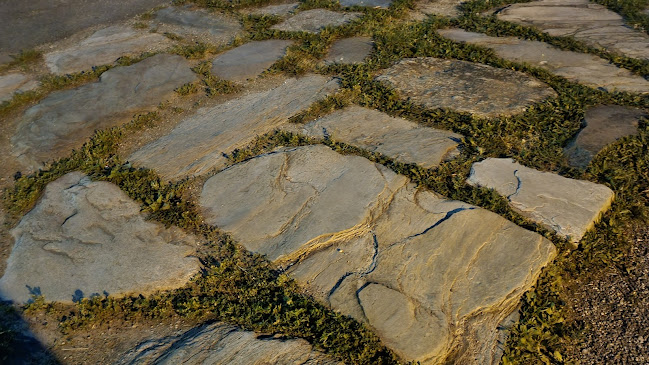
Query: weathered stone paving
x=219, y=343
x=372, y=130
x=603, y=125
x=279, y=10
x=249, y=60
x=569, y=207
x=104, y=47
x=65, y=119
x=583, y=20
x=202, y=142
x=315, y=20
x=464, y=86
x=369, y=3
x=196, y=24
x=447, y=8
x=584, y=68
x=15, y=83
x=349, y=50
x=430, y=275
x=89, y=238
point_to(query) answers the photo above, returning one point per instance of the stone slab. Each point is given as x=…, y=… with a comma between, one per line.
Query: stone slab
x=15, y=83
x=602, y=125
x=447, y=8
x=87, y=238
x=315, y=20
x=464, y=86
x=591, y=23
x=403, y=140
x=384, y=4
x=567, y=206
x=584, y=68
x=249, y=60
x=219, y=343
x=433, y=277
x=104, y=47
x=65, y=119
x=279, y=10
x=202, y=142
x=349, y=50
x=197, y=24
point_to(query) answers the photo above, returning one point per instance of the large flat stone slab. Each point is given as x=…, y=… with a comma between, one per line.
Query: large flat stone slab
x=591, y=23
x=424, y=8
x=315, y=20
x=201, y=142
x=15, y=83
x=567, y=206
x=349, y=50
x=197, y=24
x=85, y=238
x=220, y=343
x=603, y=125
x=431, y=276
x=65, y=119
x=104, y=47
x=249, y=60
x=584, y=68
x=464, y=86
x=384, y=4
x=403, y=140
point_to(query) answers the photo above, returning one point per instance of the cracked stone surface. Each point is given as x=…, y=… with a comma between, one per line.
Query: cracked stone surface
x=375, y=131
x=315, y=20
x=591, y=23
x=603, y=124
x=201, y=142
x=349, y=50
x=249, y=60
x=104, y=47
x=567, y=206
x=85, y=238
x=219, y=343
x=65, y=119
x=431, y=276
x=384, y=4
x=584, y=68
x=196, y=24
x=465, y=86
x=15, y=83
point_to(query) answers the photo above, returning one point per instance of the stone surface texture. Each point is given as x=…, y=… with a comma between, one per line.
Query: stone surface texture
x=219, y=343
x=375, y=131
x=279, y=10
x=384, y=4
x=465, y=86
x=249, y=60
x=65, y=119
x=104, y=47
x=85, y=238
x=349, y=50
x=201, y=142
x=447, y=8
x=433, y=277
x=315, y=20
x=591, y=23
x=567, y=206
x=197, y=24
x=584, y=68
x=15, y=83
x=603, y=125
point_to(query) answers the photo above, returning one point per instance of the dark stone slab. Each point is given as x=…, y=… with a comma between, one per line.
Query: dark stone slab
x=249, y=60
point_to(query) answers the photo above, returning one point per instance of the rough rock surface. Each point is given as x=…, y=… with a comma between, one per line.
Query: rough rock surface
x=64, y=119
x=85, y=238
x=447, y=8
x=15, y=83
x=430, y=275
x=197, y=24
x=567, y=206
x=602, y=125
x=249, y=60
x=591, y=23
x=279, y=10
x=315, y=20
x=219, y=343
x=199, y=143
x=369, y=3
x=587, y=69
x=349, y=50
x=104, y=47
x=398, y=138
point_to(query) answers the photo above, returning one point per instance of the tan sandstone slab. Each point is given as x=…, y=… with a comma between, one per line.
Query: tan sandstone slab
x=220, y=343
x=403, y=140
x=567, y=206
x=591, y=23
x=449, y=8
x=15, y=83
x=201, y=142
x=584, y=68
x=65, y=119
x=432, y=276
x=465, y=86
x=104, y=47
x=249, y=60
x=88, y=238
x=315, y=20
x=349, y=50
x=197, y=24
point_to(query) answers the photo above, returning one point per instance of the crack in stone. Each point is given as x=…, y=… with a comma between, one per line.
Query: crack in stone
x=448, y=216
x=518, y=186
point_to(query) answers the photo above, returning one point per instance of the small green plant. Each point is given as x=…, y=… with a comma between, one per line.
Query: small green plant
x=186, y=89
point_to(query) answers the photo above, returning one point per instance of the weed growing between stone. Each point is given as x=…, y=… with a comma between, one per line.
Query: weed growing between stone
x=23, y=60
